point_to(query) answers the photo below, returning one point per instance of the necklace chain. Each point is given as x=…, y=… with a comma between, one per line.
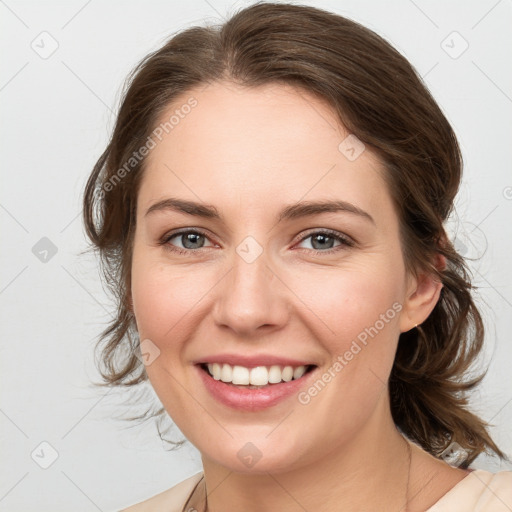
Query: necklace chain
x=409, y=450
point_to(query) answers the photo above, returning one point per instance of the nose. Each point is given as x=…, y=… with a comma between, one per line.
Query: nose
x=252, y=299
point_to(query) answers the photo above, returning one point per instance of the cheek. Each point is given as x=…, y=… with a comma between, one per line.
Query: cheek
x=348, y=302
x=356, y=320
x=162, y=297
x=166, y=301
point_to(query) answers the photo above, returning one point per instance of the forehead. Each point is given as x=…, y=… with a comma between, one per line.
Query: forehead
x=260, y=145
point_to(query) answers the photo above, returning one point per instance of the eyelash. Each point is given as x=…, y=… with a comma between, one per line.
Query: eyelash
x=344, y=240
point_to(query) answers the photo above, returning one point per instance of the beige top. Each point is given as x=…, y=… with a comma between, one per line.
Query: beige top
x=480, y=491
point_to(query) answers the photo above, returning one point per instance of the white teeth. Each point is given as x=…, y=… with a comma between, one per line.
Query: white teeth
x=215, y=370
x=287, y=373
x=299, y=372
x=274, y=375
x=240, y=375
x=257, y=376
x=226, y=374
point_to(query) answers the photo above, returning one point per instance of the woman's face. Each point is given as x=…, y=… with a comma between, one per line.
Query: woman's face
x=266, y=278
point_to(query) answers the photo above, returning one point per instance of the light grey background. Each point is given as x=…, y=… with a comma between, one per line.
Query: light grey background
x=56, y=114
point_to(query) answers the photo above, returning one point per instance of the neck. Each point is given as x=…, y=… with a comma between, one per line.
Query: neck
x=377, y=458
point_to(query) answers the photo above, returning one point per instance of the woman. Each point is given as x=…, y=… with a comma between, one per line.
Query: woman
x=269, y=212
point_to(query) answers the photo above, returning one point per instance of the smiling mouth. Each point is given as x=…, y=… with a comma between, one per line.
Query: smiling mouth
x=265, y=376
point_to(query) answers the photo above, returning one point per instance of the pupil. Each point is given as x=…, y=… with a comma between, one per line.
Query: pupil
x=189, y=237
x=321, y=237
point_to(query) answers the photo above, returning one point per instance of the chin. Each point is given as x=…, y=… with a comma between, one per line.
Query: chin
x=257, y=458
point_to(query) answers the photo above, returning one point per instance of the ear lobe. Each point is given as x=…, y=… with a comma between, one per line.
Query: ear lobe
x=420, y=302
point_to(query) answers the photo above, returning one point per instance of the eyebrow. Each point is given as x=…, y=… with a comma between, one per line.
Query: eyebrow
x=293, y=211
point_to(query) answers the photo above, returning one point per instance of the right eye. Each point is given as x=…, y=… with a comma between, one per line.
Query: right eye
x=190, y=239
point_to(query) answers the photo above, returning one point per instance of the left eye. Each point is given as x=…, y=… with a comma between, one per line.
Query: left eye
x=323, y=240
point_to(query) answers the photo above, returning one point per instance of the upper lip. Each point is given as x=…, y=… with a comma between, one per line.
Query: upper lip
x=252, y=361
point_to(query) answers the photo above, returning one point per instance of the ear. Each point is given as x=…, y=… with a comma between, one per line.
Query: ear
x=422, y=295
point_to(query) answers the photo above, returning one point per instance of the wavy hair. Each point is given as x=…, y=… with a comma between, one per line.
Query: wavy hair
x=379, y=97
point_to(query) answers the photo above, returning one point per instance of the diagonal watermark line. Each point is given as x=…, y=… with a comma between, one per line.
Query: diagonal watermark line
x=420, y=490
x=81, y=491
x=313, y=107
x=308, y=191
x=485, y=218
x=377, y=376
x=76, y=14
x=491, y=491
x=485, y=15
x=502, y=296
x=425, y=75
x=14, y=76
x=13, y=279
x=501, y=409
x=14, y=218
x=492, y=81
x=424, y=14
x=111, y=111
x=301, y=300
x=184, y=183
x=222, y=17
x=286, y=490
x=286, y=417
x=81, y=419
x=13, y=423
x=203, y=296
x=198, y=402
x=14, y=486
x=70, y=222
x=203, y=502
x=322, y=177
x=13, y=13
x=85, y=289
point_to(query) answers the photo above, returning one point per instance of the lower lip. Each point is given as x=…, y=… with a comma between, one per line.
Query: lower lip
x=252, y=399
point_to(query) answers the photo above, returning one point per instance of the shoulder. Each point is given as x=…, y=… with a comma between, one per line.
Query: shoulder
x=171, y=500
x=481, y=490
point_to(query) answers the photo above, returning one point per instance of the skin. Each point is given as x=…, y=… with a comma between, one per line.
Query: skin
x=245, y=152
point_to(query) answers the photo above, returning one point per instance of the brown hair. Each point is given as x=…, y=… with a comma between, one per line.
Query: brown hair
x=379, y=97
